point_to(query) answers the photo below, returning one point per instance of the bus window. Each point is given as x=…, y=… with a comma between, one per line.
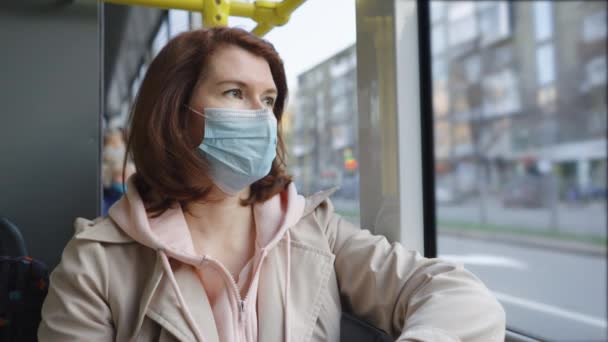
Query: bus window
x=519, y=97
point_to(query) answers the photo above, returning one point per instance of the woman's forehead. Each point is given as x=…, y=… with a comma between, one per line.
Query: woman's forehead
x=237, y=64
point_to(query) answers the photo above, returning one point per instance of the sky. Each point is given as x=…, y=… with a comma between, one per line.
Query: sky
x=317, y=30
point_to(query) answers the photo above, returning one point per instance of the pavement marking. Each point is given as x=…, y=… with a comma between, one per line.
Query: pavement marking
x=554, y=310
x=485, y=260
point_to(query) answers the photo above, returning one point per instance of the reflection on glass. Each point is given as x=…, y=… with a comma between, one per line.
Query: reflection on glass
x=519, y=96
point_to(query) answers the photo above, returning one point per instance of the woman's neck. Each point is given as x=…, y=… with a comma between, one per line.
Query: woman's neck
x=224, y=223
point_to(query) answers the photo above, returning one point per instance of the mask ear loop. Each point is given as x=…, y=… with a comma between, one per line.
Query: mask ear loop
x=195, y=111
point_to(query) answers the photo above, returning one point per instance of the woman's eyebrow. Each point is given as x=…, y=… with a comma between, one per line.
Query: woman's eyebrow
x=271, y=90
x=239, y=83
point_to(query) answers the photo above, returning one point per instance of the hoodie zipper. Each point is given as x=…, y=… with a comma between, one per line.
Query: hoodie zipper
x=235, y=288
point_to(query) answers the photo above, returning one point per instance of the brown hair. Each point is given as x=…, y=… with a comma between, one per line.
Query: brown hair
x=170, y=169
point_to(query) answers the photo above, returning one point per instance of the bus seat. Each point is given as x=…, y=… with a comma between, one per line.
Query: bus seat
x=23, y=287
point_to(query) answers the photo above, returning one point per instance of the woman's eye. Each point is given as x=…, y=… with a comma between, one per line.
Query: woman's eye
x=234, y=93
x=269, y=101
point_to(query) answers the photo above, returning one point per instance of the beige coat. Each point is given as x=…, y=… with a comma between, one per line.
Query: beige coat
x=110, y=288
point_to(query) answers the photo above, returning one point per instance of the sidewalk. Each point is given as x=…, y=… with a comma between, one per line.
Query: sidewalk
x=580, y=229
x=556, y=245
x=584, y=220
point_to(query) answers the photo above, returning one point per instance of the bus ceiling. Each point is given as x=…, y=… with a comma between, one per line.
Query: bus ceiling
x=267, y=14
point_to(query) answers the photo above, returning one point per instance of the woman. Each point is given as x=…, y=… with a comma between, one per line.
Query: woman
x=212, y=241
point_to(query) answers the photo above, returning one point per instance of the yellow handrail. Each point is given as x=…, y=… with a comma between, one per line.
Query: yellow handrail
x=267, y=14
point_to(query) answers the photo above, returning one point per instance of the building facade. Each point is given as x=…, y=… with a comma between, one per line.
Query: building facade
x=515, y=89
x=324, y=146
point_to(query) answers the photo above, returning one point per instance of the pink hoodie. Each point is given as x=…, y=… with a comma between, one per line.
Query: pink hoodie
x=235, y=317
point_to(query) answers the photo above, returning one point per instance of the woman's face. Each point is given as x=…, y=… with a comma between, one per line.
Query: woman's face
x=235, y=78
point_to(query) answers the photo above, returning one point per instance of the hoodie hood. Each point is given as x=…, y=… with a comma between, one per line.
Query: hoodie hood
x=169, y=234
x=166, y=232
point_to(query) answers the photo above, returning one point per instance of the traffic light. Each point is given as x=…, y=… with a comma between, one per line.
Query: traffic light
x=350, y=163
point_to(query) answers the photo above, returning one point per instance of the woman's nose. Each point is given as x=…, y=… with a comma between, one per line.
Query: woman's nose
x=256, y=103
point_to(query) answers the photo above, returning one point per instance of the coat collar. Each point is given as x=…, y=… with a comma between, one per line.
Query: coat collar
x=104, y=229
x=161, y=305
x=313, y=201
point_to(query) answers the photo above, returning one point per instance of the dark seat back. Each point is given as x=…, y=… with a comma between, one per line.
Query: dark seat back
x=11, y=240
x=23, y=287
x=353, y=329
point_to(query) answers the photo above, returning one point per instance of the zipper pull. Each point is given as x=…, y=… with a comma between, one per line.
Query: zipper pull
x=241, y=310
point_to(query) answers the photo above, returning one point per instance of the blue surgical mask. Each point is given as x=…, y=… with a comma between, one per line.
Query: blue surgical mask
x=239, y=146
x=118, y=187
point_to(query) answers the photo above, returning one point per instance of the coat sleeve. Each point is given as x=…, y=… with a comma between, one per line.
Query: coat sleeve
x=410, y=297
x=76, y=308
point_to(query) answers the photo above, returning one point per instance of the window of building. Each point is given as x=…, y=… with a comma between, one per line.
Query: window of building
x=460, y=102
x=501, y=57
x=545, y=64
x=543, y=20
x=546, y=96
x=438, y=40
x=493, y=21
x=472, y=68
x=437, y=11
x=460, y=10
x=500, y=93
x=595, y=71
x=595, y=27
x=441, y=99
x=462, y=30
x=440, y=69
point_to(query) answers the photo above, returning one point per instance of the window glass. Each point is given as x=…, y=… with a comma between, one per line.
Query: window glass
x=179, y=21
x=520, y=158
x=161, y=38
x=320, y=124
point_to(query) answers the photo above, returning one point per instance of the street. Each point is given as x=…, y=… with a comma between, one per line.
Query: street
x=554, y=296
